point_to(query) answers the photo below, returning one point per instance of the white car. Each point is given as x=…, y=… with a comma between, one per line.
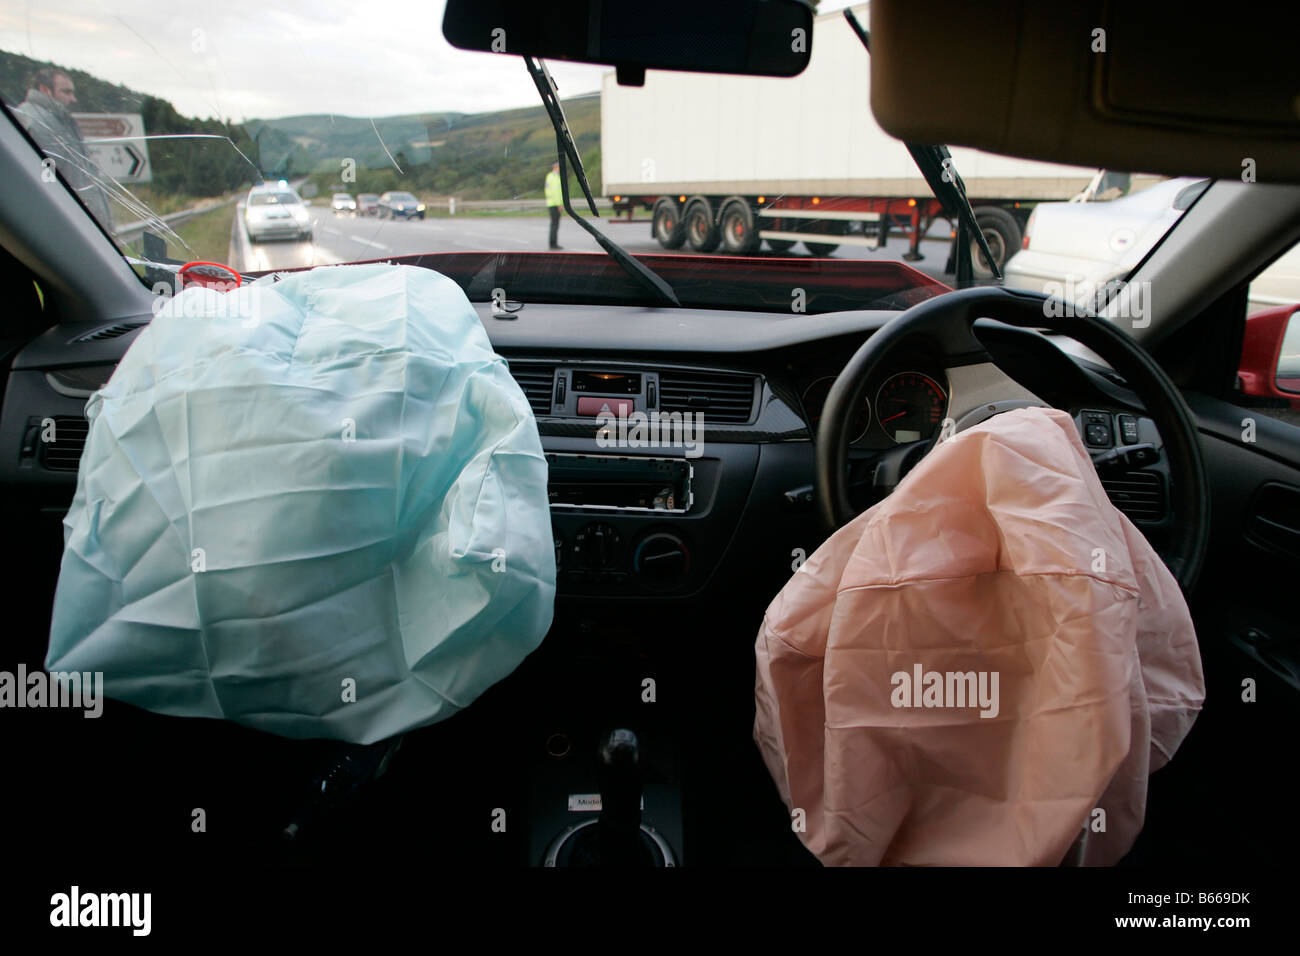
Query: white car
x=343, y=203
x=1279, y=284
x=276, y=212
x=1073, y=249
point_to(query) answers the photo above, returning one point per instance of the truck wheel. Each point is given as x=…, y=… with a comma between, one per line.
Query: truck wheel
x=668, y=226
x=702, y=232
x=780, y=245
x=739, y=231
x=1001, y=232
x=821, y=248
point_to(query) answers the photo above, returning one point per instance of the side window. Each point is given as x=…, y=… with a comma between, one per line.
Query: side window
x=1268, y=375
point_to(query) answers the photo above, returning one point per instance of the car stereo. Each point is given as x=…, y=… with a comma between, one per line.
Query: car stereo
x=619, y=483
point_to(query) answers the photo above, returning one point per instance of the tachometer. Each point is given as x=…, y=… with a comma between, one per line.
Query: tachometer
x=814, y=397
x=910, y=406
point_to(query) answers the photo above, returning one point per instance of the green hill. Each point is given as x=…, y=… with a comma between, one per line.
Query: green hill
x=498, y=155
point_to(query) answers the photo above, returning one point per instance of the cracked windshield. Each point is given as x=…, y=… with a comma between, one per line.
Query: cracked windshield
x=268, y=139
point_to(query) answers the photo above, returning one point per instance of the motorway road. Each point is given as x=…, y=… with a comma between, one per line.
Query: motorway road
x=347, y=239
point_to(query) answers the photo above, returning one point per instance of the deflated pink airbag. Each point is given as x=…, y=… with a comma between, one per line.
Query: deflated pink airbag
x=981, y=669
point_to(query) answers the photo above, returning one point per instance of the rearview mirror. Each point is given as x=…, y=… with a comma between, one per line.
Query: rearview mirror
x=752, y=37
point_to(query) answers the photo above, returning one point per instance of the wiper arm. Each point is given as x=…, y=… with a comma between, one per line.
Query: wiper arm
x=936, y=165
x=568, y=149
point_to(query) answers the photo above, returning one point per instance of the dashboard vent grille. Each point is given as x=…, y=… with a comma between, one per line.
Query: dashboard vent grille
x=1139, y=494
x=110, y=331
x=538, y=383
x=64, y=453
x=720, y=396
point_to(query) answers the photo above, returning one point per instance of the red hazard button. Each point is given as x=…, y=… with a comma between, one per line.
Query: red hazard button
x=618, y=407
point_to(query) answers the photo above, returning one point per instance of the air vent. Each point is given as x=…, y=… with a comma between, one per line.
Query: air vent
x=1139, y=494
x=537, y=381
x=110, y=331
x=64, y=452
x=720, y=396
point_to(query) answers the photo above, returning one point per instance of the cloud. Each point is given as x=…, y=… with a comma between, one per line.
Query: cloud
x=243, y=59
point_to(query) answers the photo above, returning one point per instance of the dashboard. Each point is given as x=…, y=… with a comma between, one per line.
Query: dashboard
x=680, y=442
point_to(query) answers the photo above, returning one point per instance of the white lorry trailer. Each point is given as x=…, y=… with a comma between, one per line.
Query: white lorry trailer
x=726, y=162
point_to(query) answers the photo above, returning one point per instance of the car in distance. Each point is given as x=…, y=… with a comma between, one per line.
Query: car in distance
x=368, y=204
x=343, y=203
x=399, y=205
x=275, y=212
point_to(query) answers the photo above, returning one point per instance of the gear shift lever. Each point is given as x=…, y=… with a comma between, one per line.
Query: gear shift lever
x=616, y=838
x=619, y=828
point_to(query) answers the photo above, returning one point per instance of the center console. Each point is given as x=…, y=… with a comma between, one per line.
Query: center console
x=629, y=525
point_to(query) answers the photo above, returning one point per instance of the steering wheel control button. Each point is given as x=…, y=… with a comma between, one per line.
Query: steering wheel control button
x=1099, y=435
x=1097, y=429
x=1128, y=429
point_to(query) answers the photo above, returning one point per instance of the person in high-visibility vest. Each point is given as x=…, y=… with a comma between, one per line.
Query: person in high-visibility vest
x=554, y=199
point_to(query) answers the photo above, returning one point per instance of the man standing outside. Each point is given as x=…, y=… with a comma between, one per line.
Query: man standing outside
x=45, y=116
x=554, y=199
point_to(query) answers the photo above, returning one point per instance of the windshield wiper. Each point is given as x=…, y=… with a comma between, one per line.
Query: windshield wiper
x=936, y=165
x=647, y=279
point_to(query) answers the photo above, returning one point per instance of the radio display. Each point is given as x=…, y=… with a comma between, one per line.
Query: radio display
x=607, y=383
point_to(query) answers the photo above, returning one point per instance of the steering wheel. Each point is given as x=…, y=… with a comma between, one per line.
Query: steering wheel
x=946, y=323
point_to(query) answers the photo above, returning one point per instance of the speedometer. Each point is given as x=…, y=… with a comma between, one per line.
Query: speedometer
x=814, y=397
x=910, y=406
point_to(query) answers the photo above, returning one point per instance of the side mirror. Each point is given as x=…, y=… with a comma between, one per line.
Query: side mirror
x=1287, y=371
x=1270, y=355
x=752, y=37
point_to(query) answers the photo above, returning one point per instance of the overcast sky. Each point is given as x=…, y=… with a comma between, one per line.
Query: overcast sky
x=246, y=59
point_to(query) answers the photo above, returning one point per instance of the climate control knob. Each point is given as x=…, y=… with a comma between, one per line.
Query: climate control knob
x=661, y=560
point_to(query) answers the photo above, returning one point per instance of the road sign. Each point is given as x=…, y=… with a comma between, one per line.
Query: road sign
x=111, y=142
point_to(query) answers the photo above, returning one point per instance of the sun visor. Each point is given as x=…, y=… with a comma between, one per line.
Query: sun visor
x=1127, y=86
x=315, y=505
